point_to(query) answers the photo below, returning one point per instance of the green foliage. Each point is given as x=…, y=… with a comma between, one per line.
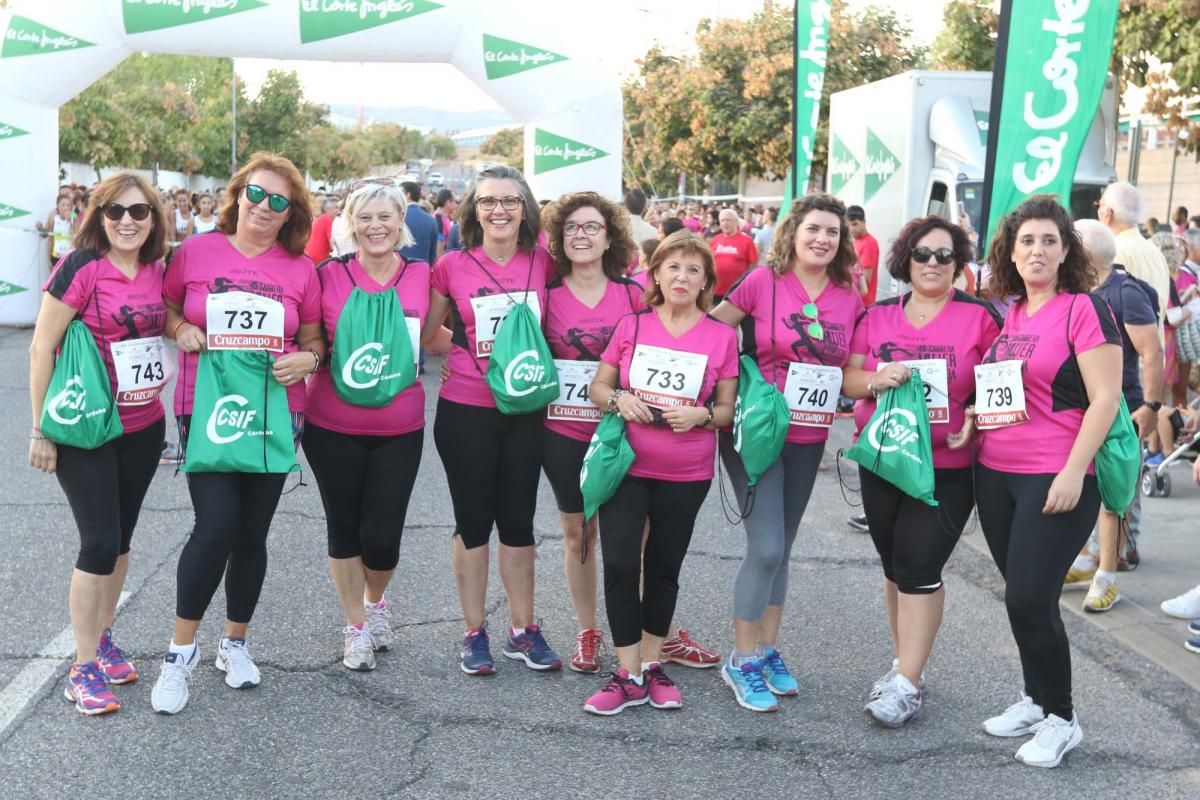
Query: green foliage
x=507, y=145
x=967, y=40
x=731, y=106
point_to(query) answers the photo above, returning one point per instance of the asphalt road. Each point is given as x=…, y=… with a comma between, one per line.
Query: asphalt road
x=418, y=727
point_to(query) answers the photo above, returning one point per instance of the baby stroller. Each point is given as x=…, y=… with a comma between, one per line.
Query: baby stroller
x=1156, y=481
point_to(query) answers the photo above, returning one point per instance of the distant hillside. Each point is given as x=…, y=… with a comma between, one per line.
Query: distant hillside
x=426, y=118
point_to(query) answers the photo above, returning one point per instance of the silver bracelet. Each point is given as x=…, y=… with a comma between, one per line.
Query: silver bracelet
x=38, y=436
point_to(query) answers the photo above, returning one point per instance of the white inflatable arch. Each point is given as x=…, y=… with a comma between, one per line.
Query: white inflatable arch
x=54, y=49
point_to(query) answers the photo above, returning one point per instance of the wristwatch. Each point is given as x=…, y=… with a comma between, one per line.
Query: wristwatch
x=1155, y=406
x=612, y=399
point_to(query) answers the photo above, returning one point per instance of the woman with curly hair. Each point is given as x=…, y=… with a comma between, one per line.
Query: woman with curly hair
x=802, y=311
x=943, y=333
x=1046, y=396
x=589, y=240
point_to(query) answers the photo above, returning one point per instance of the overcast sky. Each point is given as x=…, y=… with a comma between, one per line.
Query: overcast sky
x=619, y=35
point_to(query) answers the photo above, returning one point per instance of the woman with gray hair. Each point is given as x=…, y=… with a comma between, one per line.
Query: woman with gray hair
x=492, y=460
x=363, y=437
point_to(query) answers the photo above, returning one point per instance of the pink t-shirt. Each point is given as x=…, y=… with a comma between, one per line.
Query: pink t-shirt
x=1054, y=394
x=210, y=264
x=460, y=277
x=406, y=412
x=733, y=256
x=1183, y=281
x=659, y=452
x=839, y=309
x=115, y=309
x=692, y=224
x=960, y=334
x=579, y=333
x=641, y=279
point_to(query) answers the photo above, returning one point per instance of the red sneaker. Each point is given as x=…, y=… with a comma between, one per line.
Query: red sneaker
x=682, y=650
x=586, y=657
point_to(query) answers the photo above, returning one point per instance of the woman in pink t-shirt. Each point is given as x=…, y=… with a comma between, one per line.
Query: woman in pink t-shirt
x=943, y=333
x=492, y=460
x=1035, y=485
x=365, y=459
x=671, y=373
x=112, y=281
x=590, y=244
x=258, y=248
x=803, y=310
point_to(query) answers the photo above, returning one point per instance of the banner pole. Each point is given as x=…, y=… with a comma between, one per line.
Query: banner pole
x=993, y=137
x=795, y=99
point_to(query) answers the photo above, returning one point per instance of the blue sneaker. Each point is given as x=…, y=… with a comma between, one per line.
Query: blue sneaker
x=778, y=679
x=1194, y=627
x=1193, y=644
x=748, y=685
x=531, y=648
x=476, y=654
x=1154, y=459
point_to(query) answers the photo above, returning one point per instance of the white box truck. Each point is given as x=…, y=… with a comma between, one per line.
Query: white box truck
x=914, y=144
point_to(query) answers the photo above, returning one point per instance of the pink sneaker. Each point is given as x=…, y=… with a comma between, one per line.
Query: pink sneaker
x=681, y=649
x=113, y=664
x=618, y=694
x=663, y=693
x=88, y=690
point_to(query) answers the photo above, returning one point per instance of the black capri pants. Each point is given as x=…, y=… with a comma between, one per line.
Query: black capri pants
x=1034, y=551
x=492, y=464
x=562, y=459
x=915, y=540
x=671, y=507
x=105, y=488
x=365, y=484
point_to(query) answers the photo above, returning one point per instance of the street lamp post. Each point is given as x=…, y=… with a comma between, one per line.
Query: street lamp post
x=233, y=105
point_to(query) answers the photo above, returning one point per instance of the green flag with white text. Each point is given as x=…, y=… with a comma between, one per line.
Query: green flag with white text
x=808, y=50
x=1051, y=66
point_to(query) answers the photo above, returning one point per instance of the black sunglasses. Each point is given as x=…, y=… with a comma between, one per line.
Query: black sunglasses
x=115, y=211
x=276, y=202
x=943, y=255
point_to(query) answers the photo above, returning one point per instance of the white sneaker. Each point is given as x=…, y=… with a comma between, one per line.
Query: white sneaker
x=170, y=693
x=1054, y=737
x=1186, y=606
x=234, y=660
x=880, y=686
x=358, y=653
x=379, y=623
x=900, y=702
x=1018, y=719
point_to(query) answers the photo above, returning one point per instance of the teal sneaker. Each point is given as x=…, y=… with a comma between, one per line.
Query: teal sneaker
x=748, y=686
x=779, y=680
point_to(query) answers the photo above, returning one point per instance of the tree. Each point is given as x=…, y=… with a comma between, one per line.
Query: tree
x=731, y=106
x=280, y=119
x=507, y=145
x=1157, y=47
x=967, y=40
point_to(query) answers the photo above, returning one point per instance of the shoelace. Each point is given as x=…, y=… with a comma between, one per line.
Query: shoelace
x=774, y=662
x=360, y=638
x=1047, y=728
x=755, y=678
x=378, y=618
x=237, y=656
x=174, y=674
x=616, y=683
x=478, y=645
x=588, y=644
x=658, y=677
x=91, y=681
x=1023, y=705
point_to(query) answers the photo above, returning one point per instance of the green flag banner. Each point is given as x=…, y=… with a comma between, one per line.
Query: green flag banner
x=327, y=19
x=7, y=288
x=141, y=16
x=843, y=166
x=26, y=37
x=551, y=151
x=1054, y=69
x=504, y=57
x=808, y=51
x=11, y=131
x=11, y=212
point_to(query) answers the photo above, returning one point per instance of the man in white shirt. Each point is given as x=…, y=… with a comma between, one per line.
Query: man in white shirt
x=635, y=204
x=1120, y=208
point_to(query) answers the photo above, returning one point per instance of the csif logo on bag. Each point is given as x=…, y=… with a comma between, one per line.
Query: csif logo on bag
x=68, y=406
x=525, y=374
x=368, y=360
x=230, y=420
x=899, y=429
x=740, y=414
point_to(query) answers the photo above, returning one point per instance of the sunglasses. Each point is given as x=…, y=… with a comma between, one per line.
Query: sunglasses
x=815, y=329
x=943, y=255
x=276, y=202
x=369, y=181
x=115, y=211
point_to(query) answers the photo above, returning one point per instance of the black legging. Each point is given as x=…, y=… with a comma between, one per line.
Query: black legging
x=233, y=516
x=1034, y=551
x=105, y=488
x=671, y=507
x=365, y=484
x=914, y=540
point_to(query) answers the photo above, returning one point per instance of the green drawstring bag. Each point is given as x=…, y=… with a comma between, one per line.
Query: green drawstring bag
x=372, y=359
x=605, y=463
x=79, y=410
x=1119, y=463
x=240, y=418
x=521, y=371
x=895, y=443
x=760, y=420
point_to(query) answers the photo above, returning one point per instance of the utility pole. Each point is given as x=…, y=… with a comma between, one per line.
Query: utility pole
x=233, y=105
